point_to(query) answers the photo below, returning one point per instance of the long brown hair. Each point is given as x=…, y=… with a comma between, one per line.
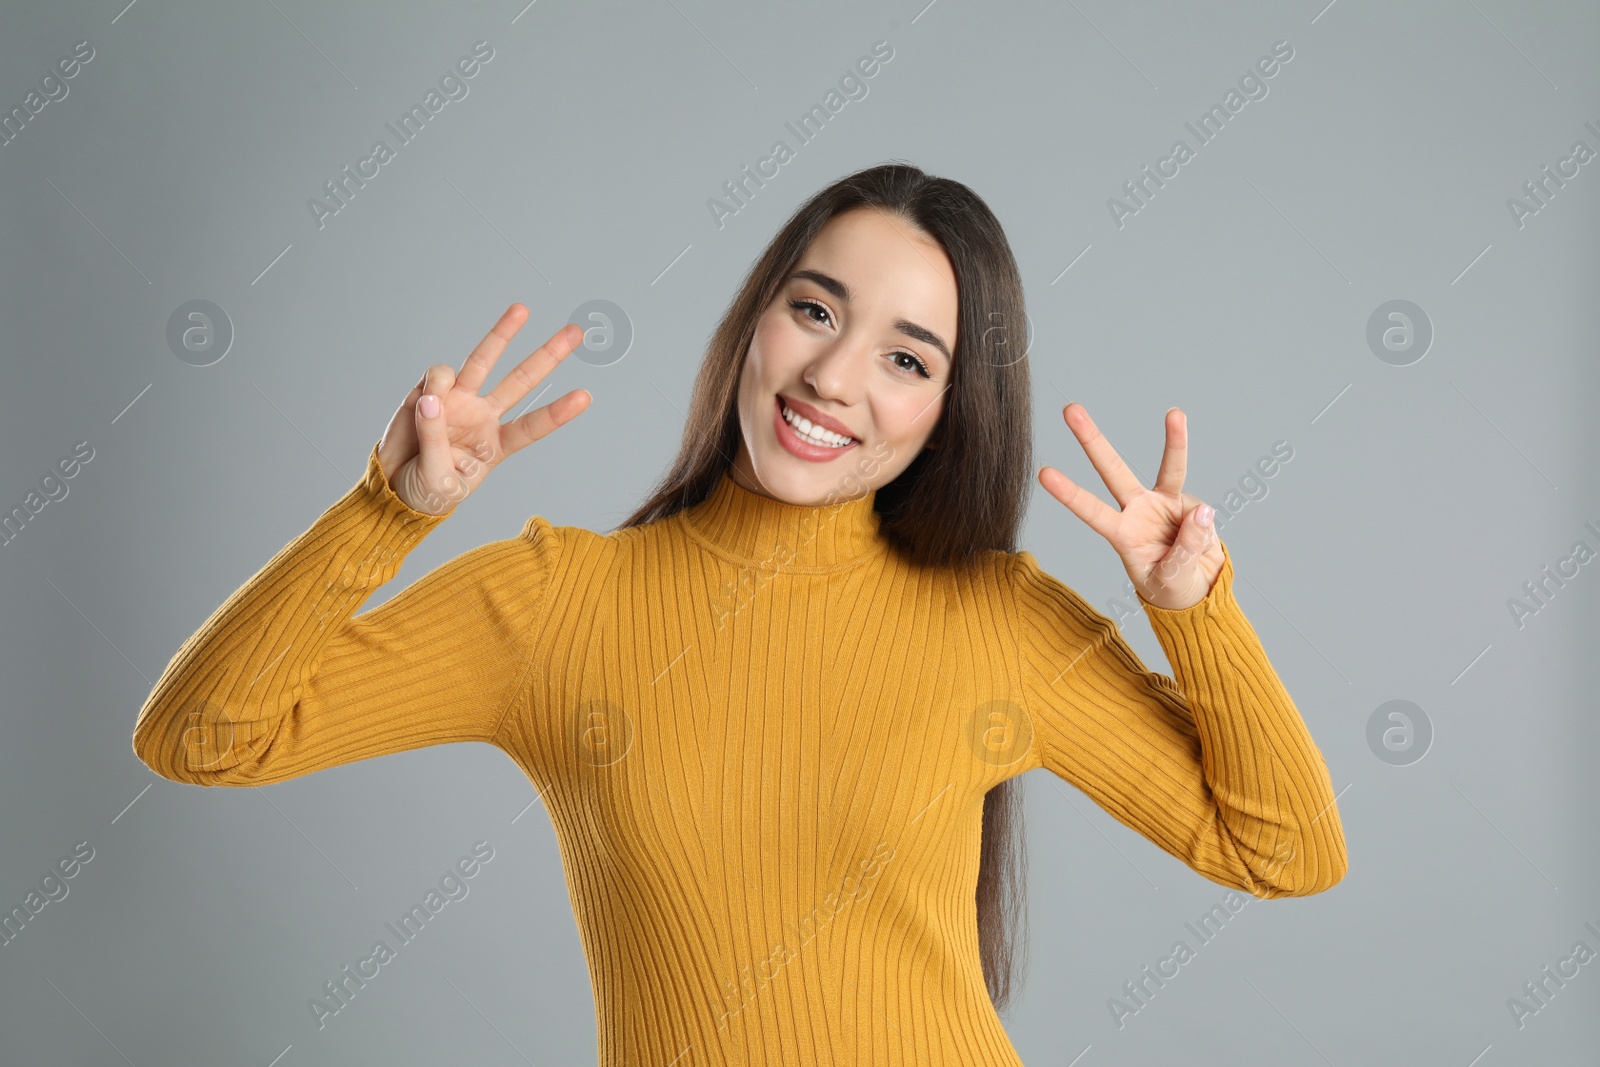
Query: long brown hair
x=980, y=470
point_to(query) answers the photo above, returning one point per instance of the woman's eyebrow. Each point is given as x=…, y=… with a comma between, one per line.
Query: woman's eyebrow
x=842, y=291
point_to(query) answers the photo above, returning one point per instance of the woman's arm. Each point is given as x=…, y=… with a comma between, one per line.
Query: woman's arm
x=1216, y=768
x=283, y=680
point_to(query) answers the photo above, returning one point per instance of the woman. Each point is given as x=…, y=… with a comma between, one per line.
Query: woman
x=777, y=716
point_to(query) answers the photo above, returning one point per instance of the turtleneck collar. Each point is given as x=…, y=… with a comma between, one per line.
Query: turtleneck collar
x=756, y=529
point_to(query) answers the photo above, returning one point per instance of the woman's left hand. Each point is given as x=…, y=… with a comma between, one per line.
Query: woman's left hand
x=1170, y=554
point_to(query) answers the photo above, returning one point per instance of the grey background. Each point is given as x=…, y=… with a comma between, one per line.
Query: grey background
x=1377, y=567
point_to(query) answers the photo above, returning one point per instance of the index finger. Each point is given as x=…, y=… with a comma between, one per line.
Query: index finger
x=531, y=371
x=1122, y=482
x=482, y=358
x=1175, y=457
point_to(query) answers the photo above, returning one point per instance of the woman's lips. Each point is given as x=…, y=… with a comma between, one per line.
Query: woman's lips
x=797, y=446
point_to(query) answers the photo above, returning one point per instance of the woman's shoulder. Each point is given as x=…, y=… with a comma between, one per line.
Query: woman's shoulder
x=570, y=542
x=1014, y=576
x=989, y=572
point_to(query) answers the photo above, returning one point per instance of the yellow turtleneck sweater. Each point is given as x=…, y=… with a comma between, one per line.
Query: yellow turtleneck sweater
x=763, y=740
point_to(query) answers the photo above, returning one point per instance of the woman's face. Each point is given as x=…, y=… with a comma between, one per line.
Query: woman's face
x=860, y=339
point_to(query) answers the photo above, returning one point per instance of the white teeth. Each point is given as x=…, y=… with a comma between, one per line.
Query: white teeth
x=812, y=433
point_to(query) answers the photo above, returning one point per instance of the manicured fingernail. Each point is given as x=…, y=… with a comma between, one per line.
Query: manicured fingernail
x=428, y=405
x=1204, y=518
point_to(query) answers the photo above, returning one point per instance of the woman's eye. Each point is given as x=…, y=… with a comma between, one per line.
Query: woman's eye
x=917, y=364
x=808, y=306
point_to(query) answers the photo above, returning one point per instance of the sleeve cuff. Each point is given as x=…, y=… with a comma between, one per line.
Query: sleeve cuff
x=375, y=490
x=1217, y=602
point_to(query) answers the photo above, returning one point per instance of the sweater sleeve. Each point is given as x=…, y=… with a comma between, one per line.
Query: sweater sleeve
x=284, y=679
x=1215, y=767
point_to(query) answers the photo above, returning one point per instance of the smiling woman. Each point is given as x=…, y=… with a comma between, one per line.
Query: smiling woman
x=844, y=338
x=724, y=772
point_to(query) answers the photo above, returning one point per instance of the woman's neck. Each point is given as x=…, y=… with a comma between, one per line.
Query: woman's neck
x=755, y=527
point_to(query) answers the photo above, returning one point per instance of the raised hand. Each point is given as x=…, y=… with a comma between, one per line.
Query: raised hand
x=1165, y=536
x=444, y=439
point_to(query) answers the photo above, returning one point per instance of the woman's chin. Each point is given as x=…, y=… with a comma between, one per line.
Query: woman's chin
x=791, y=480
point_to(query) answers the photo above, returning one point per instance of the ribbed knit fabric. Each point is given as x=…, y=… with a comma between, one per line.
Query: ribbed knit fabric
x=763, y=739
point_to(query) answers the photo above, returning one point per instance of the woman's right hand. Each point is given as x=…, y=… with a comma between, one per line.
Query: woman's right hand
x=433, y=461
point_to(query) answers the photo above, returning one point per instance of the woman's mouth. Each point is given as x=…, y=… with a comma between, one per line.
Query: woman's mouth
x=805, y=440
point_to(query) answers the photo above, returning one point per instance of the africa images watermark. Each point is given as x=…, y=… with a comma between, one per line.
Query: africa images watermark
x=738, y=993
x=1539, y=991
x=52, y=89
x=811, y=124
x=1212, y=122
x=52, y=488
x=52, y=889
x=1543, y=189
x=452, y=886
x=343, y=189
x=1211, y=924
x=734, y=594
x=1541, y=590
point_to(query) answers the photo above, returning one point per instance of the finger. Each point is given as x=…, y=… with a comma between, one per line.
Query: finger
x=526, y=429
x=1175, y=456
x=1100, y=516
x=519, y=380
x=1192, y=541
x=434, y=458
x=475, y=370
x=1122, y=482
x=400, y=437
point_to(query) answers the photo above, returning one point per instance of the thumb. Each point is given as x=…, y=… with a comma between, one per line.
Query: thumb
x=1192, y=540
x=1195, y=535
x=435, y=461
